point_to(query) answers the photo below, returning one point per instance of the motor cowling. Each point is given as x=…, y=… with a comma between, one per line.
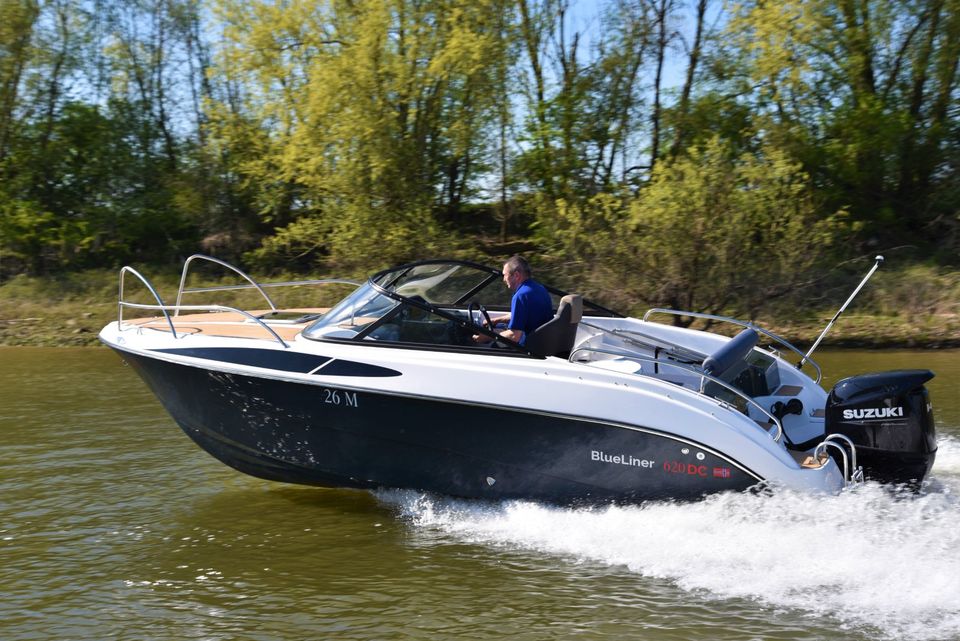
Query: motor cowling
x=889, y=417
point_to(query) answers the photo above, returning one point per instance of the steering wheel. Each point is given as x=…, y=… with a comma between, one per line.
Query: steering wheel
x=486, y=317
x=483, y=310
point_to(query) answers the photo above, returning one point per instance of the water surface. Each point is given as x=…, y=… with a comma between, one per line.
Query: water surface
x=113, y=525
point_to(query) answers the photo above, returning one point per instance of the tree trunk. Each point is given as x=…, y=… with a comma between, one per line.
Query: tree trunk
x=661, y=10
x=683, y=108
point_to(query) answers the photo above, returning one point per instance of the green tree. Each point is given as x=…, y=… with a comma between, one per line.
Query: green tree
x=91, y=139
x=582, y=104
x=714, y=230
x=371, y=116
x=865, y=92
x=17, y=20
x=98, y=205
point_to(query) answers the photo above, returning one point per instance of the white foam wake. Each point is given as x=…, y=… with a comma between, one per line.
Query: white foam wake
x=870, y=558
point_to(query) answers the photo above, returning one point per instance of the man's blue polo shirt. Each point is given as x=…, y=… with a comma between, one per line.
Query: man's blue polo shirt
x=530, y=308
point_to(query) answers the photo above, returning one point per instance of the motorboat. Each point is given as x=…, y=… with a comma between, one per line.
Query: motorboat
x=389, y=388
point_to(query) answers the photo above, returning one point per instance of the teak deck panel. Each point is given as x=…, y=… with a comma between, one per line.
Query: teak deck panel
x=228, y=324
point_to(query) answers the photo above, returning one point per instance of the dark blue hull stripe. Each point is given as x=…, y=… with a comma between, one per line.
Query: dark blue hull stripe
x=282, y=361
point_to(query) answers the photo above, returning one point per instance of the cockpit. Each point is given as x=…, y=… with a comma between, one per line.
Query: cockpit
x=437, y=303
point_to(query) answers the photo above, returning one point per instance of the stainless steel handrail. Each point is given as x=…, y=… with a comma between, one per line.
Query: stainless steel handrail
x=203, y=308
x=186, y=267
x=854, y=473
x=252, y=283
x=121, y=303
x=821, y=450
x=289, y=283
x=166, y=309
x=736, y=321
x=690, y=370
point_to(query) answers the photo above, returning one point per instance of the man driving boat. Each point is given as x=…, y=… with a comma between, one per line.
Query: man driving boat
x=530, y=306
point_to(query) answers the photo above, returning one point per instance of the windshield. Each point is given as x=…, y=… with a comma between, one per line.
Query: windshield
x=438, y=283
x=402, y=304
x=351, y=315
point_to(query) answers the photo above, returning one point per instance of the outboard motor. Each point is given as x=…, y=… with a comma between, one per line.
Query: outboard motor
x=889, y=418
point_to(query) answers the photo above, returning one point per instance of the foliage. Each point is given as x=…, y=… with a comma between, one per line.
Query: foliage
x=90, y=194
x=714, y=231
x=582, y=109
x=370, y=116
x=314, y=133
x=916, y=291
x=866, y=95
x=88, y=175
x=719, y=232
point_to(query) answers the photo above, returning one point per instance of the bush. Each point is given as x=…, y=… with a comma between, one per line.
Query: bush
x=711, y=231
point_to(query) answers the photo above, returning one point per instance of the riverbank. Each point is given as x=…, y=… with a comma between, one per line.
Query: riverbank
x=70, y=309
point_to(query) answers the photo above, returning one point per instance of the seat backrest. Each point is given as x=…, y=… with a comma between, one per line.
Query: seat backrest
x=557, y=335
x=731, y=353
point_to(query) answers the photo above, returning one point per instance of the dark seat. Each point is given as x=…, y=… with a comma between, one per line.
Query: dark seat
x=556, y=336
x=731, y=353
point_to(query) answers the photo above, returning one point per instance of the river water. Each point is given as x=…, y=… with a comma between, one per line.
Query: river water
x=113, y=525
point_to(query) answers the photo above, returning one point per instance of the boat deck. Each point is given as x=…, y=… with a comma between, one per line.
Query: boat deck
x=233, y=324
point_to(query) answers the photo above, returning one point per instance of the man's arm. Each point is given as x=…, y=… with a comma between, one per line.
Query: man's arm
x=515, y=335
x=512, y=334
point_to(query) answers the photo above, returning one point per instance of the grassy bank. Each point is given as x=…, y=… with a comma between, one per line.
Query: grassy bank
x=915, y=308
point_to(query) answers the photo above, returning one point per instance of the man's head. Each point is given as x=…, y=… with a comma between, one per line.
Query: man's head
x=515, y=271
